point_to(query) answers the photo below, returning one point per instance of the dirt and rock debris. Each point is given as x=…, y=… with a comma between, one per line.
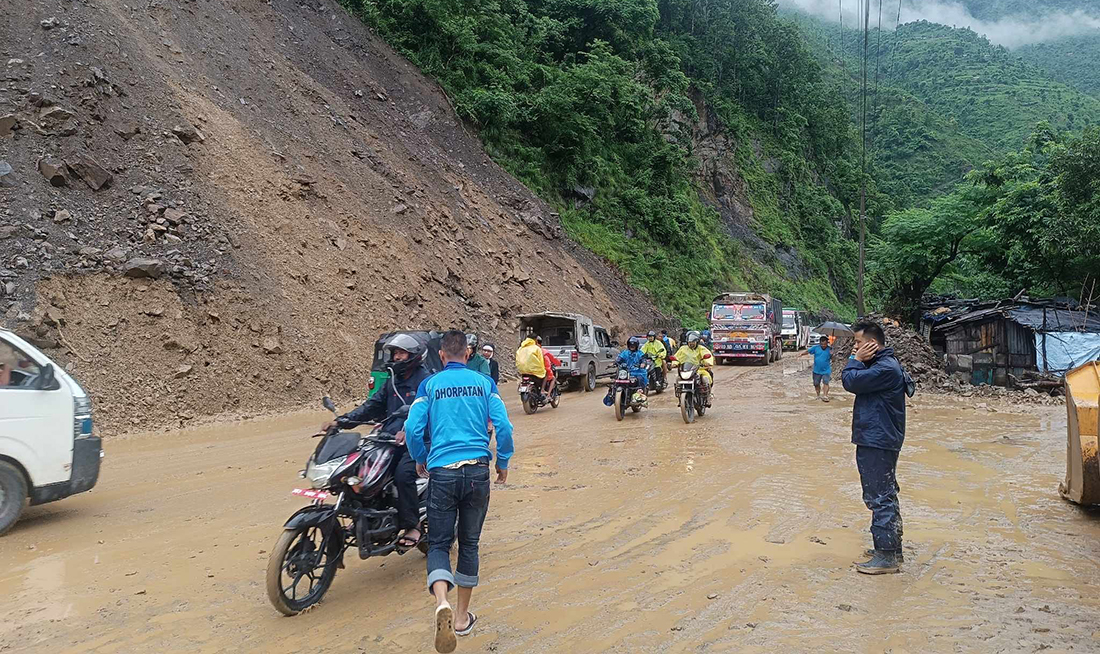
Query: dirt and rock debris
x=215, y=207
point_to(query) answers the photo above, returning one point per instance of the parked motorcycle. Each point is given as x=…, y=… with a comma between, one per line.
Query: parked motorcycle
x=690, y=393
x=356, y=471
x=624, y=391
x=532, y=397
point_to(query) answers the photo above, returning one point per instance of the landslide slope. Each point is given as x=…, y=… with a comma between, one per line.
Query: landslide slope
x=300, y=187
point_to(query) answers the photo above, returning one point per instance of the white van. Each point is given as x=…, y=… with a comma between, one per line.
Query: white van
x=47, y=450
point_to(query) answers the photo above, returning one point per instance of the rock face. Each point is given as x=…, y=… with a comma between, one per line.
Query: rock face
x=195, y=199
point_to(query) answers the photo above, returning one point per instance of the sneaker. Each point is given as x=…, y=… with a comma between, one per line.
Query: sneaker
x=882, y=563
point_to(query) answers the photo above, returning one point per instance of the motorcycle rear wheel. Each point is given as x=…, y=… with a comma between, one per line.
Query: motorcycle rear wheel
x=555, y=398
x=687, y=407
x=295, y=548
x=530, y=405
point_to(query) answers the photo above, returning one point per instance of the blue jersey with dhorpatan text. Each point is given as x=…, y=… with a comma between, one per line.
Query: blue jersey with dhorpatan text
x=458, y=403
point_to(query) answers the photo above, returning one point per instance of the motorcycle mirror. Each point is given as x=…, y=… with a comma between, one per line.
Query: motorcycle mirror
x=326, y=401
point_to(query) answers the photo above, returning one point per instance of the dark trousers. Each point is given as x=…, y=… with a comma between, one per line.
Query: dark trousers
x=878, y=476
x=457, y=501
x=408, y=504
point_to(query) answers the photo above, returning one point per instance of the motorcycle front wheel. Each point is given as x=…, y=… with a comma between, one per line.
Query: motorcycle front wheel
x=687, y=407
x=620, y=405
x=298, y=572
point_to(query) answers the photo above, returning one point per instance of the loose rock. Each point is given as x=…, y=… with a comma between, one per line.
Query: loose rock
x=272, y=345
x=50, y=23
x=55, y=115
x=6, y=176
x=8, y=124
x=89, y=170
x=183, y=371
x=188, y=133
x=53, y=170
x=140, y=267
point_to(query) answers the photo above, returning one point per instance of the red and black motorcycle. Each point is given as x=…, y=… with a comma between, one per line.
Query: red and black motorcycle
x=532, y=397
x=356, y=471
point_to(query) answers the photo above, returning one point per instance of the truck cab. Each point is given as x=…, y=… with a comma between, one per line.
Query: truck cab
x=47, y=448
x=746, y=326
x=796, y=329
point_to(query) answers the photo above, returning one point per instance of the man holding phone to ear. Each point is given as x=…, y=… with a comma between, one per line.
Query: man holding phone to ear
x=875, y=377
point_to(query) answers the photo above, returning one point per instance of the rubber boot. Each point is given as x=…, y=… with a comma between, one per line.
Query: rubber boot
x=870, y=554
x=882, y=563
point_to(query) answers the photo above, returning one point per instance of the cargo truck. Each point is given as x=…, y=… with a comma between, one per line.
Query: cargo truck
x=746, y=327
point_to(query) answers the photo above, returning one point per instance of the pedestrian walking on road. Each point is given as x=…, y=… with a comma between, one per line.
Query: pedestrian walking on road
x=823, y=366
x=487, y=352
x=875, y=377
x=458, y=403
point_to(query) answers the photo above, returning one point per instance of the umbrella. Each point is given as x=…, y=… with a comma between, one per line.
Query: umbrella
x=833, y=329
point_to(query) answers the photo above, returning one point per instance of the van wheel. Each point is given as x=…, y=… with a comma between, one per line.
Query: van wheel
x=13, y=495
x=590, y=378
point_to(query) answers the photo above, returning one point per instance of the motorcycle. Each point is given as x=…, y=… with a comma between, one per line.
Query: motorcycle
x=690, y=394
x=356, y=471
x=658, y=380
x=624, y=391
x=532, y=397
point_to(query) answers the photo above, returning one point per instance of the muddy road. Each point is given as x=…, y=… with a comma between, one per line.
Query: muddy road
x=736, y=533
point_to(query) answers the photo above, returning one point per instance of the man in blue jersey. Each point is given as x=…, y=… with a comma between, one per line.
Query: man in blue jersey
x=823, y=366
x=458, y=403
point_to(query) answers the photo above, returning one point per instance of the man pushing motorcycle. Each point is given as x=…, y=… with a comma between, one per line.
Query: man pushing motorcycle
x=407, y=371
x=695, y=353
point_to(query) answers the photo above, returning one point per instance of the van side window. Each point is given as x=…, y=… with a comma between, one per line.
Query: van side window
x=17, y=370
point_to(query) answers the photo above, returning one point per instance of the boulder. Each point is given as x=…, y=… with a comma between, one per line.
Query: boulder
x=89, y=170
x=140, y=267
x=55, y=115
x=116, y=254
x=188, y=133
x=174, y=216
x=8, y=124
x=53, y=170
x=127, y=130
x=7, y=178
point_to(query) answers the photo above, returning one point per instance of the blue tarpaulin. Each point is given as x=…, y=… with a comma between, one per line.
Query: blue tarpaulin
x=1066, y=350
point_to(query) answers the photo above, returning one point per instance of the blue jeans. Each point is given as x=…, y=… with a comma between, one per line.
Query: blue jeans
x=460, y=496
x=877, y=475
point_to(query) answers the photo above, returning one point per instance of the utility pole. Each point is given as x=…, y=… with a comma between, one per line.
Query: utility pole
x=860, y=307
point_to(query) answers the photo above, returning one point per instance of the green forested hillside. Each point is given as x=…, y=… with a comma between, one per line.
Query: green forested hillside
x=595, y=105
x=995, y=9
x=1074, y=60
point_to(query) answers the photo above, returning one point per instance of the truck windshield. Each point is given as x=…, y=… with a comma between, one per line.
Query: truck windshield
x=788, y=321
x=738, y=312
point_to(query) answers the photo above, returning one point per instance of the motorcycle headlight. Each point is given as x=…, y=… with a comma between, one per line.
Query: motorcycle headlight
x=685, y=375
x=319, y=473
x=623, y=374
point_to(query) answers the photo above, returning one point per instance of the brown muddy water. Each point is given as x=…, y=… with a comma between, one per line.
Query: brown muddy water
x=735, y=534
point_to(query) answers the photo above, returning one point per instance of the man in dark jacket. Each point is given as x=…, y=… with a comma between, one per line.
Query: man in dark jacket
x=875, y=377
x=407, y=371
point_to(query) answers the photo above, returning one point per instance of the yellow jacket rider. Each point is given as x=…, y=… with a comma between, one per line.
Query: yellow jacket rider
x=696, y=353
x=655, y=349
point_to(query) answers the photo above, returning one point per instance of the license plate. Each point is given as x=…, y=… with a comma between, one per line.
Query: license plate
x=525, y=388
x=308, y=492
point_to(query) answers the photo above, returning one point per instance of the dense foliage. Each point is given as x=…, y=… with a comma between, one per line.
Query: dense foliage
x=594, y=106
x=1029, y=220
x=1074, y=60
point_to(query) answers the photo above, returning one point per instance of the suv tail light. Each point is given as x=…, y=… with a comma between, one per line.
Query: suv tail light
x=574, y=356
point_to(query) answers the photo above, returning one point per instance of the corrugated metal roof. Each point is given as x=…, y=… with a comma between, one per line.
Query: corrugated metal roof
x=1032, y=317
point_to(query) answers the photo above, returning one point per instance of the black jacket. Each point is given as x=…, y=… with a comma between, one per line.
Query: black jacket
x=385, y=402
x=494, y=370
x=878, y=414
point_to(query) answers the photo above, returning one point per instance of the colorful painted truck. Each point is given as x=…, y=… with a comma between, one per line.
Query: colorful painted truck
x=746, y=327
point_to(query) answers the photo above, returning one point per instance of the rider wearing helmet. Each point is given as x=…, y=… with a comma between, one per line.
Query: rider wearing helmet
x=474, y=360
x=632, y=358
x=550, y=361
x=694, y=352
x=407, y=371
x=656, y=350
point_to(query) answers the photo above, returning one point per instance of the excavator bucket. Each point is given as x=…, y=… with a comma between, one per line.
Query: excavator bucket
x=1082, y=484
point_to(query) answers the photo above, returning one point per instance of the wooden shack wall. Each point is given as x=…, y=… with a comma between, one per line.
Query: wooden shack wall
x=991, y=350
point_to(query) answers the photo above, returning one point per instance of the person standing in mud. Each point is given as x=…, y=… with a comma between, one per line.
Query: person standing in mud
x=874, y=375
x=823, y=366
x=458, y=403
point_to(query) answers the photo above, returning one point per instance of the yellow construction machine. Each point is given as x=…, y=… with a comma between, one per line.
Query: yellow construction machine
x=1082, y=484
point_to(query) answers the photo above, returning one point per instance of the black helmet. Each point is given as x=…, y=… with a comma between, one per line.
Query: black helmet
x=632, y=343
x=651, y=334
x=471, y=340
x=538, y=339
x=410, y=344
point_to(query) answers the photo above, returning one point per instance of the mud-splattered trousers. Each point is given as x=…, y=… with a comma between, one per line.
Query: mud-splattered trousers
x=877, y=474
